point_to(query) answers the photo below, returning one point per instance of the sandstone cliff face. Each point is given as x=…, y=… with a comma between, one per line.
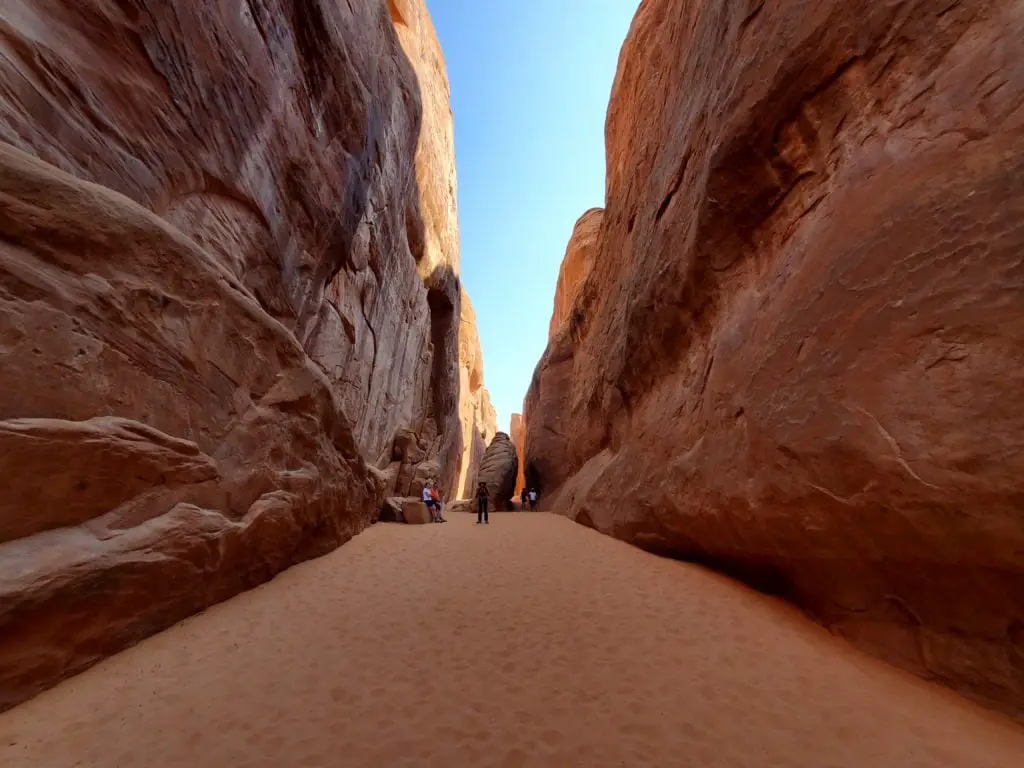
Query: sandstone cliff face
x=801, y=354
x=580, y=255
x=436, y=244
x=547, y=446
x=498, y=470
x=476, y=414
x=518, y=435
x=202, y=347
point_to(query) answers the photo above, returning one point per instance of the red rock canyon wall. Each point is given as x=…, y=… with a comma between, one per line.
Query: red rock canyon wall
x=577, y=265
x=518, y=435
x=228, y=280
x=547, y=440
x=798, y=353
x=477, y=415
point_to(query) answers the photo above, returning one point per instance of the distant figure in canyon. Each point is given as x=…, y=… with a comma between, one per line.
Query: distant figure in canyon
x=481, y=504
x=533, y=499
x=524, y=498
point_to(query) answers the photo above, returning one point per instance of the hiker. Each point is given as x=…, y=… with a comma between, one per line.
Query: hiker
x=481, y=504
x=432, y=505
x=533, y=499
x=523, y=499
x=436, y=498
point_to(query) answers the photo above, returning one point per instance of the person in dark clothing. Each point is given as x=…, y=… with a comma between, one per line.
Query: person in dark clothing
x=481, y=504
x=523, y=499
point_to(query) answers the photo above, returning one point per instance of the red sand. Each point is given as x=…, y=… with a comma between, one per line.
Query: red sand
x=531, y=641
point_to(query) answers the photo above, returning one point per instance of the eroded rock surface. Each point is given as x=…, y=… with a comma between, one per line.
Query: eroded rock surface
x=548, y=455
x=410, y=510
x=798, y=353
x=196, y=373
x=577, y=264
x=476, y=414
x=436, y=244
x=518, y=435
x=230, y=457
x=498, y=470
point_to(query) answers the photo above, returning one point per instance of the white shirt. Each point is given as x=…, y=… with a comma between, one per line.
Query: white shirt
x=426, y=494
x=533, y=495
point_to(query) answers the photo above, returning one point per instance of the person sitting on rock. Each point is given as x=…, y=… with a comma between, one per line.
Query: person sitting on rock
x=428, y=499
x=436, y=498
x=533, y=499
x=481, y=504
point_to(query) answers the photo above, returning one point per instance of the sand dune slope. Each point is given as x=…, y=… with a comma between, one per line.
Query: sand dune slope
x=532, y=641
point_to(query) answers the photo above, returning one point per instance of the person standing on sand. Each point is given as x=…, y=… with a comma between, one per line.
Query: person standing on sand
x=533, y=500
x=523, y=498
x=481, y=504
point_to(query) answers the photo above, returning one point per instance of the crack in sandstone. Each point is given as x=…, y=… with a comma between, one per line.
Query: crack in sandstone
x=897, y=452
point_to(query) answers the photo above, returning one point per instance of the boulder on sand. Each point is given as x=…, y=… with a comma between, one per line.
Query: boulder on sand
x=404, y=510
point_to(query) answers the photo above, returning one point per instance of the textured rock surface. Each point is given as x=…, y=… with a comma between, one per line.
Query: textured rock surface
x=108, y=308
x=187, y=408
x=436, y=244
x=547, y=452
x=799, y=351
x=577, y=264
x=476, y=414
x=435, y=150
x=415, y=513
x=498, y=469
x=518, y=436
x=410, y=510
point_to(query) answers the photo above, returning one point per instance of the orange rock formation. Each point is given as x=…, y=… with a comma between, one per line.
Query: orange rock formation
x=797, y=354
x=477, y=415
x=518, y=435
x=228, y=280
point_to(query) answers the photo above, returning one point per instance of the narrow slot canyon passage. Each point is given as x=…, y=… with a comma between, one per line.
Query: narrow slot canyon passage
x=532, y=641
x=749, y=280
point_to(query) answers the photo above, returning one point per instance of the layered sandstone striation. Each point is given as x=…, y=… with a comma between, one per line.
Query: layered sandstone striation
x=498, y=469
x=228, y=280
x=476, y=414
x=797, y=355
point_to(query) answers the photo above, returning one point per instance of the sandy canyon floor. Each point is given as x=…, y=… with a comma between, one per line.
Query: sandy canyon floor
x=528, y=642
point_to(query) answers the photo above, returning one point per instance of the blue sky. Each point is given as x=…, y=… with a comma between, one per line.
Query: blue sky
x=530, y=86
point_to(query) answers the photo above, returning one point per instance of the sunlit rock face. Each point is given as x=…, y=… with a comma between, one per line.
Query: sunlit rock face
x=796, y=354
x=518, y=436
x=476, y=414
x=228, y=285
x=577, y=264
